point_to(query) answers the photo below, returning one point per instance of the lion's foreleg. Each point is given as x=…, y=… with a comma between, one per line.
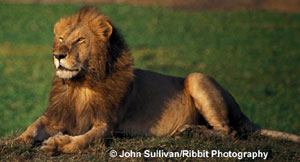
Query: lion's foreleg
x=71, y=144
x=37, y=131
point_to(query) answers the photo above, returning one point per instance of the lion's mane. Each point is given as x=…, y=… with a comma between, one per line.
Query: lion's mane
x=102, y=87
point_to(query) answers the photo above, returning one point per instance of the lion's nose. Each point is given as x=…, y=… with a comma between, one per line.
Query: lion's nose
x=59, y=56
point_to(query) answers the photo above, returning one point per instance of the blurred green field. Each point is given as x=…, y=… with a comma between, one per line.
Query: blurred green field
x=254, y=55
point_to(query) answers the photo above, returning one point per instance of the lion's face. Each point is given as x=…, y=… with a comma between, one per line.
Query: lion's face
x=71, y=49
x=79, y=39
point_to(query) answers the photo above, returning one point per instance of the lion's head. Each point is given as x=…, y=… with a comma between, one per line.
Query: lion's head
x=82, y=44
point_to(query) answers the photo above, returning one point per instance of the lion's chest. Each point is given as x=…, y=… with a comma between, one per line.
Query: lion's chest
x=80, y=111
x=82, y=98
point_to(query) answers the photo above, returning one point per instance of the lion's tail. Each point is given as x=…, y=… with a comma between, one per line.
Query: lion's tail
x=247, y=126
x=280, y=135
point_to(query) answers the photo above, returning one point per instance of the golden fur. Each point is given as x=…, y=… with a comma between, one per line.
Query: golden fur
x=96, y=92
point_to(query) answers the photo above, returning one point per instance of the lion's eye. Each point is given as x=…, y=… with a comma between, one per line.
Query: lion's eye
x=80, y=40
x=61, y=39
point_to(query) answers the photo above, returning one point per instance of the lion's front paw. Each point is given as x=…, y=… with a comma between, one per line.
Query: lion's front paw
x=60, y=143
x=24, y=140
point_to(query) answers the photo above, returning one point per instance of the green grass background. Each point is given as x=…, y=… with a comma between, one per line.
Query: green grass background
x=254, y=55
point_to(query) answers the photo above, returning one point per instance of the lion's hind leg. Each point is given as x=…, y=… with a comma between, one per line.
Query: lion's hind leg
x=209, y=102
x=196, y=131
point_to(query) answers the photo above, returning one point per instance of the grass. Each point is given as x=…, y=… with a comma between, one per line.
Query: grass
x=99, y=151
x=254, y=55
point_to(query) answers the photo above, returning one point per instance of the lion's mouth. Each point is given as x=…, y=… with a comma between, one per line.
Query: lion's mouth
x=63, y=68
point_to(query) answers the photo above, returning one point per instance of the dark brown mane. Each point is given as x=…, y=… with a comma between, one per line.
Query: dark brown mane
x=96, y=95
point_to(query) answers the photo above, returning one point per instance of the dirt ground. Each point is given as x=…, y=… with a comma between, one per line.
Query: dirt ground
x=290, y=6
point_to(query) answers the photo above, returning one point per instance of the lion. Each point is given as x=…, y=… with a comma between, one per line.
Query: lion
x=97, y=91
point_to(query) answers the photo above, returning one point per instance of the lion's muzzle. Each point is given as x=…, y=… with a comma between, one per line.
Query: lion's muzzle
x=59, y=56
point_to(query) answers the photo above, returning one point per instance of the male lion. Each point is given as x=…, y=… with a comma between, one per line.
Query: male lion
x=97, y=91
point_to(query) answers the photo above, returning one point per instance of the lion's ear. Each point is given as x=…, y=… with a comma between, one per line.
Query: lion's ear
x=108, y=29
x=57, y=27
x=54, y=29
